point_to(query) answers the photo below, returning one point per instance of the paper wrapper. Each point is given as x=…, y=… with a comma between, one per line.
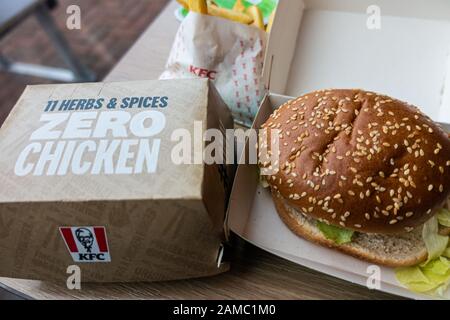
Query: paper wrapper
x=229, y=53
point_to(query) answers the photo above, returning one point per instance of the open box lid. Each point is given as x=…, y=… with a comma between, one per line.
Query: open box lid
x=317, y=44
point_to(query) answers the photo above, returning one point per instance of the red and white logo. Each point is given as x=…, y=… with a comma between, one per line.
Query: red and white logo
x=86, y=244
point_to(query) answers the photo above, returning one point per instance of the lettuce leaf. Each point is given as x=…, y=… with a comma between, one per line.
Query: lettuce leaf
x=433, y=276
x=446, y=253
x=338, y=235
x=443, y=216
x=434, y=242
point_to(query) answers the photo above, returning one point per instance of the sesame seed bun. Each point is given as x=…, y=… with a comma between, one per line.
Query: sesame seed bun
x=360, y=160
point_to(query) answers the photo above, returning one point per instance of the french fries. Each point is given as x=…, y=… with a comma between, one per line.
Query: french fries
x=198, y=6
x=184, y=4
x=240, y=17
x=256, y=14
x=239, y=6
x=251, y=15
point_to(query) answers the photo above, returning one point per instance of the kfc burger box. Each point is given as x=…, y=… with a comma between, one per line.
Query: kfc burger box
x=326, y=44
x=88, y=178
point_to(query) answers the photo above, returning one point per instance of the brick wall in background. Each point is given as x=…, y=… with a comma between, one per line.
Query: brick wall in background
x=108, y=29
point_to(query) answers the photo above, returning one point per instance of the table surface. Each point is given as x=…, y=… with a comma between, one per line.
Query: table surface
x=254, y=274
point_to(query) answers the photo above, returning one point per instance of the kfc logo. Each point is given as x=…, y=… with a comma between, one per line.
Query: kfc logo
x=203, y=73
x=85, y=237
x=86, y=244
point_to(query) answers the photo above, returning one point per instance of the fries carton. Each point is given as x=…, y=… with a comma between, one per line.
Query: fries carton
x=91, y=175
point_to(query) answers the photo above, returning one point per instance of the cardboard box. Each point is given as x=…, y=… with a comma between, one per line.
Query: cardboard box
x=328, y=45
x=87, y=179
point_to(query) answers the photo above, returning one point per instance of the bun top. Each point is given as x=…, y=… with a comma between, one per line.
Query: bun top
x=360, y=160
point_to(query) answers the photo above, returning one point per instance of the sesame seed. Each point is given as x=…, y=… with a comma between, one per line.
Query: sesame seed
x=393, y=221
x=430, y=187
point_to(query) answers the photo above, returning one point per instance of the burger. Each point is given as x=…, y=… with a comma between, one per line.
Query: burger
x=363, y=173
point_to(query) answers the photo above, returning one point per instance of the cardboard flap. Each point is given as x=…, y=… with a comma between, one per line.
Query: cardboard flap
x=281, y=46
x=215, y=196
x=247, y=178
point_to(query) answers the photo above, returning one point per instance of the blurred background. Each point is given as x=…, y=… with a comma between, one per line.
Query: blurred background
x=34, y=32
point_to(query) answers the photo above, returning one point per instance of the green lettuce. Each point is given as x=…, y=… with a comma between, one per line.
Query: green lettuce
x=434, y=242
x=433, y=276
x=338, y=235
x=446, y=253
x=443, y=216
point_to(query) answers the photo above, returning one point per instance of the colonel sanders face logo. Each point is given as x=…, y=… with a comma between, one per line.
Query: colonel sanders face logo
x=85, y=237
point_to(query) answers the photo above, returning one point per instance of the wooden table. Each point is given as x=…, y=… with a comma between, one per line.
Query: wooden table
x=13, y=13
x=254, y=274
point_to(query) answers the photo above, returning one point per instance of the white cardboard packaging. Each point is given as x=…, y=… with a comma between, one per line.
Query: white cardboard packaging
x=317, y=44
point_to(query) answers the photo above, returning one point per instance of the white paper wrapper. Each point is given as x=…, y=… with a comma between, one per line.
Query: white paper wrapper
x=229, y=53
